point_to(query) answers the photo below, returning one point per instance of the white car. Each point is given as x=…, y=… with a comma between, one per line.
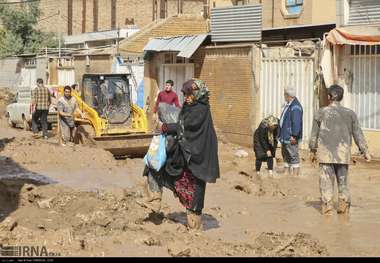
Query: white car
x=19, y=113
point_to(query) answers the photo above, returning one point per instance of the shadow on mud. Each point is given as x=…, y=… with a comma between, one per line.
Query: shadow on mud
x=315, y=204
x=209, y=221
x=13, y=177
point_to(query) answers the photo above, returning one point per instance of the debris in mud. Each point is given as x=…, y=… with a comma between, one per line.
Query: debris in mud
x=45, y=204
x=82, y=244
x=244, y=173
x=241, y=154
x=182, y=253
x=8, y=224
x=151, y=241
x=269, y=188
x=243, y=188
x=285, y=245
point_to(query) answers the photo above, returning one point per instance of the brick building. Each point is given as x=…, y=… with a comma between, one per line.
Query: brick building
x=73, y=17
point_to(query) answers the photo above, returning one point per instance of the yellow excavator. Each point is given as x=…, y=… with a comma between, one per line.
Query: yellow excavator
x=111, y=120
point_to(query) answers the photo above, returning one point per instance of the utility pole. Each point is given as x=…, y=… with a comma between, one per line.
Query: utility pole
x=59, y=34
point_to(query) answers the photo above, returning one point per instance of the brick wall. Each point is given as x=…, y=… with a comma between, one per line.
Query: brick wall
x=193, y=7
x=141, y=11
x=77, y=17
x=228, y=74
x=50, y=21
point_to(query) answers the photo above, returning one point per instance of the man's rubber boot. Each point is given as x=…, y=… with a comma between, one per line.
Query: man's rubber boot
x=194, y=221
x=343, y=207
x=327, y=208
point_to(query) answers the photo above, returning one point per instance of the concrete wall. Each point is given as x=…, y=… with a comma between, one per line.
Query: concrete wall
x=324, y=12
x=10, y=70
x=373, y=140
x=314, y=12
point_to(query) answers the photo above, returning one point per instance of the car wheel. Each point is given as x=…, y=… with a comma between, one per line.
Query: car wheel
x=10, y=122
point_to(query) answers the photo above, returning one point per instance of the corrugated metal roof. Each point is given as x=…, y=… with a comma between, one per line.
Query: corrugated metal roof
x=237, y=23
x=101, y=35
x=185, y=45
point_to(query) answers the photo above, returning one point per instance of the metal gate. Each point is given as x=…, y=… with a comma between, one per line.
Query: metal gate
x=276, y=74
x=66, y=77
x=28, y=77
x=363, y=75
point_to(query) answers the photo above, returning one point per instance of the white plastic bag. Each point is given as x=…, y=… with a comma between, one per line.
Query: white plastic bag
x=156, y=155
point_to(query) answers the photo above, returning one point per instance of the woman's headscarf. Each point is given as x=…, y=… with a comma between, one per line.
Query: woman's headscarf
x=199, y=94
x=271, y=122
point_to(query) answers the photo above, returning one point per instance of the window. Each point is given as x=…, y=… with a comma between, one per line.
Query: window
x=294, y=7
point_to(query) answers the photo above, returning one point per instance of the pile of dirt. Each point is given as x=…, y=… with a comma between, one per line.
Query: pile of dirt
x=285, y=245
x=6, y=97
x=29, y=152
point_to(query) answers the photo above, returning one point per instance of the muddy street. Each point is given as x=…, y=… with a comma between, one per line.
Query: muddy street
x=80, y=201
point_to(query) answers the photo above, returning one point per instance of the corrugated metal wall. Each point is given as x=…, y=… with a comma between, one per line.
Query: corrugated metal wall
x=276, y=73
x=238, y=23
x=364, y=12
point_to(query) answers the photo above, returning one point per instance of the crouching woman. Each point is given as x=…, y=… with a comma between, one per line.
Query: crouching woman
x=192, y=157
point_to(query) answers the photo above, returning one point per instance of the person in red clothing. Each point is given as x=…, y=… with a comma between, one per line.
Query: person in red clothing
x=167, y=96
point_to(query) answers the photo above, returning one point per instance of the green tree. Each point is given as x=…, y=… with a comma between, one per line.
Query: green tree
x=19, y=34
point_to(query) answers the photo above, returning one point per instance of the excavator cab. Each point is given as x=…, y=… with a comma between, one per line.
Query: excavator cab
x=111, y=120
x=110, y=96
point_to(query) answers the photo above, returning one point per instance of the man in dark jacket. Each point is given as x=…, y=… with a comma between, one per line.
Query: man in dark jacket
x=291, y=131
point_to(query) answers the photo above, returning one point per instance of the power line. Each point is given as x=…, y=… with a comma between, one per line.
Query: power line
x=19, y=2
x=42, y=19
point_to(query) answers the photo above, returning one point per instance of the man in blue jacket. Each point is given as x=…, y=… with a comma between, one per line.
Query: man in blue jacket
x=290, y=134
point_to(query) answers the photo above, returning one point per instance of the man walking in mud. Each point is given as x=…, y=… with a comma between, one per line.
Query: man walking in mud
x=41, y=100
x=332, y=132
x=67, y=107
